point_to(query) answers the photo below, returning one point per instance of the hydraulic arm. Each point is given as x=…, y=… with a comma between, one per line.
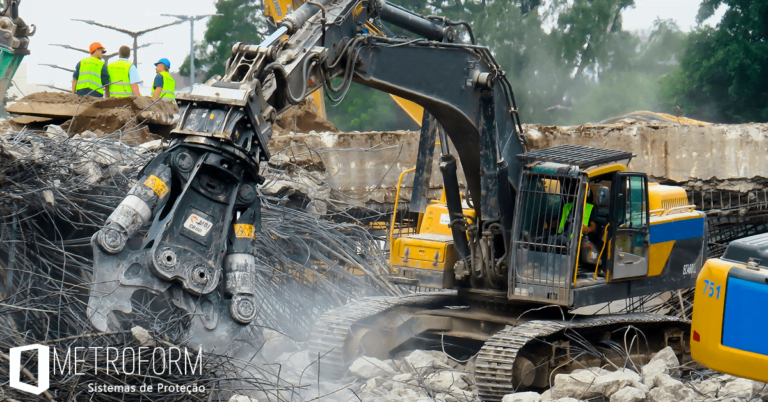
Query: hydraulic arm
x=198, y=201
x=14, y=42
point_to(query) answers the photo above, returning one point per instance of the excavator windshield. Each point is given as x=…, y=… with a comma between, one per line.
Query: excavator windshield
x=547, y=229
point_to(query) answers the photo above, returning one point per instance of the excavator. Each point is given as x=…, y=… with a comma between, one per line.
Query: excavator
x=550, y=230
x=727, y=331
x=14, y=42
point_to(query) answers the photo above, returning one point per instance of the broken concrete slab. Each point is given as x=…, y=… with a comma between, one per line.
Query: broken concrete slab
x=64, y=105
x=673, y=152
x=361, y=167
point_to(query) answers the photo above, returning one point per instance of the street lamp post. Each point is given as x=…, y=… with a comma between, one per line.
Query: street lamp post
x=59, y=67
x=106, y=57
x=132, y=34
x=191, y=19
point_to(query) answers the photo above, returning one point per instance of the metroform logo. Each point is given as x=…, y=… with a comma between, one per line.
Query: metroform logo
x=43, y=372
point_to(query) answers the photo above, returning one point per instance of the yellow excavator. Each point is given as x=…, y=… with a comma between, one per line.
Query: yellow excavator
x=524, y=259
x=729, y=322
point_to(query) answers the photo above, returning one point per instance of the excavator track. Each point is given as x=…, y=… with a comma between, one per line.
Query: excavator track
x=494, y=366
x=333, y=329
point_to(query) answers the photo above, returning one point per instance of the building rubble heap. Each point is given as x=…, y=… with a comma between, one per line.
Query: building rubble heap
x=57, y=189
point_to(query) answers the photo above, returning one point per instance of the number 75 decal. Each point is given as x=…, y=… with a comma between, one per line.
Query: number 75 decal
x=710, y=289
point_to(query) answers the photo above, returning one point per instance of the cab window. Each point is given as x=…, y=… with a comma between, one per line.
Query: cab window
x=633, y=210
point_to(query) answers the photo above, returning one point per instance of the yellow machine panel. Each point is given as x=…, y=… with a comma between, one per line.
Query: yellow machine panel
x=667, y=198
x=426, y=259
x=729, y=325
x=436, y=219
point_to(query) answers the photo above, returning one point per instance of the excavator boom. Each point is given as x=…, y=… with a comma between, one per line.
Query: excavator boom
x=198, y=199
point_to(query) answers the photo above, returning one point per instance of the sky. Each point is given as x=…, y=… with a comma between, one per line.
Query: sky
x=641, y=17
x=53, y=19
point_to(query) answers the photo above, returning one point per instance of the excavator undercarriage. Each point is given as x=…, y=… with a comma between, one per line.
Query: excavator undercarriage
x=517, y=347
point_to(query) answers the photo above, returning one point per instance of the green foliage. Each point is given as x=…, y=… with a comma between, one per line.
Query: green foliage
x=366, y=109
x=569, y=61
x=723, y=75
x=239, y=21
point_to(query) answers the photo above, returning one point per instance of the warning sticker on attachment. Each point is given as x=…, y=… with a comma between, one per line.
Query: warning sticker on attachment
x=244, y=231
x=157, y=185
x=198, y=225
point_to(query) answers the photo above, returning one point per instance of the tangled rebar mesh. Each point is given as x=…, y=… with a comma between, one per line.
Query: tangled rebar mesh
x=56, y=192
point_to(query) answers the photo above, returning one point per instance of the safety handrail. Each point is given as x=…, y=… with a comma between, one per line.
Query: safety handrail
x=397, y=200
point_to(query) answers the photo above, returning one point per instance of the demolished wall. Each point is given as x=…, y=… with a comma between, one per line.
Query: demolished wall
x=730, y=158
x=358, y=167
x=726, y=157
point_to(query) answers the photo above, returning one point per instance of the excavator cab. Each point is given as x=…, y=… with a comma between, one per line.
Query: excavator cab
x=586, y=231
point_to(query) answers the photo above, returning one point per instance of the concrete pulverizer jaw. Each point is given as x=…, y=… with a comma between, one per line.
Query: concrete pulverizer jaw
x=201, y=212
x=118, y=271
x=240, y=262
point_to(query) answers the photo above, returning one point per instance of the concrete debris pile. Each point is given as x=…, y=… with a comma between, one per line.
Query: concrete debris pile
x=134, y=120
x=434, y=376
x=418, y=375
x=56, y=190
x=658, y=381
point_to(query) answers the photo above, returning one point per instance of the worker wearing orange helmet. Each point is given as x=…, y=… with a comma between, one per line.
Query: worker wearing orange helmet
x=91, y=75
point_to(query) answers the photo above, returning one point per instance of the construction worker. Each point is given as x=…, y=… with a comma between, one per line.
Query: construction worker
x=91, y=74
x=164, y=85
x=123, y=76
x=587, y=226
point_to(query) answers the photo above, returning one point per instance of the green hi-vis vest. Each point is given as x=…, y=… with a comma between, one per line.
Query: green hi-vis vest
x=119, y=79
x=169, y=87
x=567, y=211
x=89, y=76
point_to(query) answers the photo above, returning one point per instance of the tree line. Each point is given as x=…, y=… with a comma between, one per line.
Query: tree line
x=569, y=62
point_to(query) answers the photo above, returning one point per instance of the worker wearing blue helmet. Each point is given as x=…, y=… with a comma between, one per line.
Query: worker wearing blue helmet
x=164, y=85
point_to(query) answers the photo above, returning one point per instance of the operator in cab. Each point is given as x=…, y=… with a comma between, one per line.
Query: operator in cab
x=91, y=74
x=164, y=85
x=588, y=225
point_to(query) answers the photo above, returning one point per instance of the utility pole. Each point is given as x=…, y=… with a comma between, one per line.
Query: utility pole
x=132, y=34
x=191, y=19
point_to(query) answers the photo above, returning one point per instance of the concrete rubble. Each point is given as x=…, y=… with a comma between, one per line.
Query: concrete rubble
x=423, y=375
x=134, y=120
x=362, y=168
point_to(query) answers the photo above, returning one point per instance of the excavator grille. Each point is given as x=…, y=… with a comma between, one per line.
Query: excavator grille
x=544, y=242
x=577, y=155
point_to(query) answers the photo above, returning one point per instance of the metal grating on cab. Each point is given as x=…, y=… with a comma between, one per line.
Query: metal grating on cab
x=577, y=155
x=543, y=250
